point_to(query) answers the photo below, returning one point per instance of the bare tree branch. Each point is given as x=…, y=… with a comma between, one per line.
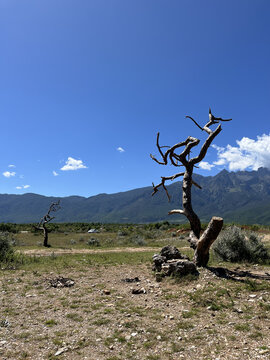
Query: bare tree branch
x=162, y=183
x=213, y=118
x=166, y=178
x=55, y=206
x=205, y=146
x=189, y=117
x=198, y=242
x=196, y=184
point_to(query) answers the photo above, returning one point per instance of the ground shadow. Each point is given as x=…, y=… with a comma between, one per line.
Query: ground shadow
x=237, y=274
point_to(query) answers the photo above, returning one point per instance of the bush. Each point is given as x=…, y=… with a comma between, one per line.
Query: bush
x=138, y=240
x=93, y=242
x=6, y=249
x=235, y=245
x=122, y=232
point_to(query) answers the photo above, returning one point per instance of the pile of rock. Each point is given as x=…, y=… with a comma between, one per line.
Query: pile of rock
x=60, y=282
x=171, y=262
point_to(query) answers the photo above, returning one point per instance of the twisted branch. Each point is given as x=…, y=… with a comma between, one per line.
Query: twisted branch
x=183, y=158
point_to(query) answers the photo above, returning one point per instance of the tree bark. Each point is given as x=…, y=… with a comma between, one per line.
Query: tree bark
x=45, y=239
x=201, y=254
x=194, y=220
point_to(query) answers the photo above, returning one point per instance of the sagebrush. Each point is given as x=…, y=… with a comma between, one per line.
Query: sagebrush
x=236, y=245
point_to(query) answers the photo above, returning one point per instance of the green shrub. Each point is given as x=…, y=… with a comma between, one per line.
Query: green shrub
x=93, y=242
x=138, y=240
x=236, y=245
x=6, y=249
x=9, y=258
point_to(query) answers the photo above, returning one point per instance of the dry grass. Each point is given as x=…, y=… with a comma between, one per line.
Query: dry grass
x=99, y=317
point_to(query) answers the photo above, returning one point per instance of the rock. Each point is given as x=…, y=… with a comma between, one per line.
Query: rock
x=170, y=252
x=179, y=268
x=264, y=351
x=171, y=262
x=61, y=351
x=138, y=291
x=4, y=323
x=158, y=260
x=60, y=282
x=239, y=311
x=130, y=280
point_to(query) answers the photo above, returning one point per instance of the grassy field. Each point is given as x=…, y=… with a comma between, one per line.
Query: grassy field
x=108, y=239
x=100, y=317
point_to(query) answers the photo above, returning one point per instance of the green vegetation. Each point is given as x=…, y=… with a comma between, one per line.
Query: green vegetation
x=6, y=249
x=9, y=258
x=236, y=245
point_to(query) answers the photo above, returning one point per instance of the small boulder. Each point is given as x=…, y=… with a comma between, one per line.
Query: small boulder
x=158, y=260
x=171, y=262
x=179, y=268
x=171, y=252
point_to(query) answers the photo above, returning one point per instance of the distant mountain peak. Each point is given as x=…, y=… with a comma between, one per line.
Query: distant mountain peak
x=241, y=197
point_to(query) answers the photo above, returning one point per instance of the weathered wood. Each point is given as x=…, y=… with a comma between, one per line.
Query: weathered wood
x=201, y=244
x=201, y=254
x=55, y=206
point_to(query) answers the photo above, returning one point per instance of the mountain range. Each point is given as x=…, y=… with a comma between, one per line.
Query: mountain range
x=241, y=197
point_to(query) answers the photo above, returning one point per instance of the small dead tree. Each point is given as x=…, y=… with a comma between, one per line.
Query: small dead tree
x=42, y=225
x=201, y=243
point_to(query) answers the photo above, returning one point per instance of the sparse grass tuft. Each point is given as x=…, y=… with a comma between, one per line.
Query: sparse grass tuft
x=50, y=323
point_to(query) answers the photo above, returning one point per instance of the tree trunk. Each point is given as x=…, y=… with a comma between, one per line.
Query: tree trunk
x=194, y=220
x=201, y=254
x=45, y=239
x=200, y=243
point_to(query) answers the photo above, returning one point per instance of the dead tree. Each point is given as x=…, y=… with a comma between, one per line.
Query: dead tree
x=201, y=243
x=42, y=225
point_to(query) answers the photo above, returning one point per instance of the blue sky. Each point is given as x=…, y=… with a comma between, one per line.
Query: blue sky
x=86, y=85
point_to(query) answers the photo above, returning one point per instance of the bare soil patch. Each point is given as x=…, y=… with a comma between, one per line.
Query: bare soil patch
x=56, y=252
x=102, y=317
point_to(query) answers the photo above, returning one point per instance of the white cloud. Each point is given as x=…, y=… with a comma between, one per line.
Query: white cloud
x=205, y=165
x=8, y=174
x=55, y=173
x=23, y=187
x=120, y=149
x=249, y=154
x=11, y=166
x=73, y=164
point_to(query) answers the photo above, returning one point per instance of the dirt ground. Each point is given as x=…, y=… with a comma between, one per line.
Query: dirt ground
x=56, y=252
x=102, y=317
